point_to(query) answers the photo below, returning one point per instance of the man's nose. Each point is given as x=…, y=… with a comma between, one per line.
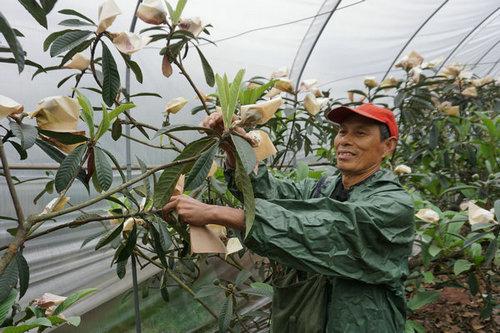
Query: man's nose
x=345, y=140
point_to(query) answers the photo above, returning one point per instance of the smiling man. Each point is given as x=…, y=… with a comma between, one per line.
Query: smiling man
x=344, y=241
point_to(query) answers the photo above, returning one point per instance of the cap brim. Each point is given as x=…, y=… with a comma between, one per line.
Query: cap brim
x=338, y=115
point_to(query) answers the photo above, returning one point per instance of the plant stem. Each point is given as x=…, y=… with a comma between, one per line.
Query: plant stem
x=198, y=93
x=21, y=228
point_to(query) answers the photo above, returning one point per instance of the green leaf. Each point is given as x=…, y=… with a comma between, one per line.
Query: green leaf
x=79, y=48
x=228, y=95
x=20, y=150
x=226, y=314
x=105, y=123
x=51, y=38
x=88, y=112
x=75, y=23
x=24, y=274
x=6, y=305
x=103, y=170
x=64, y=80
x=48, y=5
x=24, y=132
x=422, y=298
x=473, y=283
x=73, y=320
x=244, y=185
x=243, y=275
x=176, y=15
x=75, y=13
x=206, y=291
x=68, y=41
x=116, y=129
x=36, y=11
x=245, y=153
x=262, y=288
x=497, y=209
x=127, y=250
x=134, y=67
x=207, y=69
x=121, y=268
x=28, y=325
x=165, y=238
x=252, y=95
x=163, y=286
x=120, y=109
x=157, y=244
x=461, y=265
x=67, y=138
x=109, y=236
x=72, y=299
x=166, y=183
x=116, y=164
x=8, y=280
x=200, y=169
x=302, y=171
x=69, y=168
x=146, y=94
x=14, y=45
x=413, y=327
x=111, y=80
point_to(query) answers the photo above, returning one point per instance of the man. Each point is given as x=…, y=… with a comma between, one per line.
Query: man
x=344, y=242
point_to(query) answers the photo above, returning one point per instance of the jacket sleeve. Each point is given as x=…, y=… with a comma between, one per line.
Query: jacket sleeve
x=266, y=186
x=368, y=241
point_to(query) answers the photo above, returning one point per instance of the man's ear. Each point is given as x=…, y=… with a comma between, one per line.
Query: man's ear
x=390, y=146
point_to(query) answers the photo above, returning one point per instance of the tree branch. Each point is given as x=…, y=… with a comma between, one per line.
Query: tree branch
x=21, y=228
x=198, y=93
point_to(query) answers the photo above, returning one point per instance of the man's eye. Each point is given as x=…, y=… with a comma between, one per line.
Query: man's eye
x=361, y=133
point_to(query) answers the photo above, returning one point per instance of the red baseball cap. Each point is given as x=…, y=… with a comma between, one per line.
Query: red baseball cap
x=368, y=110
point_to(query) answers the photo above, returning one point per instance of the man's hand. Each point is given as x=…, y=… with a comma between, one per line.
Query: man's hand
x=215, y=122
x=197, y=213
x=189, y=210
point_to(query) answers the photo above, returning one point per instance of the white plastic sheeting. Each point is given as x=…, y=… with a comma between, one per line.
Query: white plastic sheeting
x=361, y=38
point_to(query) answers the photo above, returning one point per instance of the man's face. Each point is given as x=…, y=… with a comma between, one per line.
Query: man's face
x=358, y=146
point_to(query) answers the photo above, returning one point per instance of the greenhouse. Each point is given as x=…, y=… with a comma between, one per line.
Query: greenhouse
x=249, y=166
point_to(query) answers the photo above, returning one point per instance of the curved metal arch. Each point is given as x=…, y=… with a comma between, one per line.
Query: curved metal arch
x=492, y=67
x=299, y=68
x=485, y=54
x=413, y=36
x=466, y=37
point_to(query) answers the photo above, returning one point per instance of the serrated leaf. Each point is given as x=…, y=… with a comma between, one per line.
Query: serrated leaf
x=111, y=77
x=8, y=280
x=48, y=5
x=207, y=69
x=245, y=153
x=6, y=305
x=75, y=13
x=200, y=169
x=24, y=274
x=121, y=268
x=103, y=170
x=87, y=112
x=242, y=277
x=28, y=325
x=422, y=298
x=105, y=123
x=24, y=132
x=244, y=185
x=166, y=183
x=116, y=129
x=68, y=41
x=67, y=138
x=225, y=315
x=69, y=168
x=72, y=299
x=36, y=11
x=165, y=239
x=12, y=41
x=79, y=48
x=127, y=250
x=50, y=39
x=134, y=67
x=75, y=23
x=109, y=236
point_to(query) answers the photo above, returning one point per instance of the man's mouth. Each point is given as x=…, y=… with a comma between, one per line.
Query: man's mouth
x=345, y=154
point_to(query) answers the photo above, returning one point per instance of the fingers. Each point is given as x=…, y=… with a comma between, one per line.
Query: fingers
x=170, y=206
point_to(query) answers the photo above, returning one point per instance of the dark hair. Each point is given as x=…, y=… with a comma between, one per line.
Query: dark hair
x=384, y=132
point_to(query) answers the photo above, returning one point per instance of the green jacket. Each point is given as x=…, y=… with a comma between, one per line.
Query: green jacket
x=360, y=246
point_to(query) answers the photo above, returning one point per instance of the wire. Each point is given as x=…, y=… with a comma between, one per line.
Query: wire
x=272, y=26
